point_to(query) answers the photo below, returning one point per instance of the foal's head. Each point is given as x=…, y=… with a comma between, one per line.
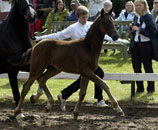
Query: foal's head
x=107, y=25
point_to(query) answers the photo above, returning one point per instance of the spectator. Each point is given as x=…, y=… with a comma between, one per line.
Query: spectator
x=58, y=14
x=76, y=31
x=144, y=29
x=74, y=6
x=154, y=11
x=107, y=8
x=126, y=14
x=94, y=7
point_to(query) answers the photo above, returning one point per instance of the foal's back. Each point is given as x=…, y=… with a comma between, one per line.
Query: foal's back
x=63, y=55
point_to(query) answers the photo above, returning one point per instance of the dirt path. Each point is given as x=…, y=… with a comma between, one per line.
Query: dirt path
x=138, y=117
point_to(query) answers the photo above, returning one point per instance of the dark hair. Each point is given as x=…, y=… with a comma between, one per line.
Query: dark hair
x=56, y=6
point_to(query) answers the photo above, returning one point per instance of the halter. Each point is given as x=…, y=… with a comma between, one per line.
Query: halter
x=24, y=8
x=28, y=5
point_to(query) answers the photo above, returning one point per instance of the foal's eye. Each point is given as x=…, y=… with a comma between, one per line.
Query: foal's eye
x=108, y=20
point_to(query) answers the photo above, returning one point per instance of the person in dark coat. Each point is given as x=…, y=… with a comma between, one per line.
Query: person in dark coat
x=72, y=15
x=144, y=29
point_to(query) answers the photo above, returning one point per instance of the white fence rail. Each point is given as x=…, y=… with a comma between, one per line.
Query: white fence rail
x=122, y=77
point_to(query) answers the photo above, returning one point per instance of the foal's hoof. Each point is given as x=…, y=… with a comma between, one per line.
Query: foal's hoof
x=119, y=111
x=48, y=107
x=46, y=110
x=16, y=112
x=75, y=114
x=20, y=116
x=32, y=99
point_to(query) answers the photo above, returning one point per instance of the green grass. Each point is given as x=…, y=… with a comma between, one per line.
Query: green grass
x=111, y=63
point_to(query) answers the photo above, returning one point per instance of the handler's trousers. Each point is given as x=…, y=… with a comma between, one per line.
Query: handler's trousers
x=67, y=92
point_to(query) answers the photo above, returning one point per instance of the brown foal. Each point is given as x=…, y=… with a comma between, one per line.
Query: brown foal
x=49, y=57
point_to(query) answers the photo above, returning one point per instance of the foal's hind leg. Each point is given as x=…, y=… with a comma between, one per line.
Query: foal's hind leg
x=35, y=97
x=83, y=87
x=51, y=71
x=105, y=87
x=24, y=92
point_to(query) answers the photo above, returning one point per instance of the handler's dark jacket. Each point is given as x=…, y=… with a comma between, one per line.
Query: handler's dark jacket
x=149, y=31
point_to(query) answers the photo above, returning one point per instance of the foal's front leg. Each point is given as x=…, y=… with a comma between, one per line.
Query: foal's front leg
x=105, y=87
x=83, y=87
x=35, y=97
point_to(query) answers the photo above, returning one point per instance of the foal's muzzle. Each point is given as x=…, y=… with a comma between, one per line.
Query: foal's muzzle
x=115, y=37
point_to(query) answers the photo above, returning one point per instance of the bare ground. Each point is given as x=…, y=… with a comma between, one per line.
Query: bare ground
x=138, y=117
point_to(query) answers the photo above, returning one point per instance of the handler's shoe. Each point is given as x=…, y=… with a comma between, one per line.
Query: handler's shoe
x=20, y=115
x=101, y=103
x=62, y=102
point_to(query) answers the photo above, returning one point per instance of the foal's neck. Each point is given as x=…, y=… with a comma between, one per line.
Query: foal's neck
x=94, y=38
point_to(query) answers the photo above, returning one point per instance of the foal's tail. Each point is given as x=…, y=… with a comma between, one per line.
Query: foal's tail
x=20, y=60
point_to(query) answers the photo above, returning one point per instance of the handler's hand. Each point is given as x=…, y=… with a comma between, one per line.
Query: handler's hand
x=37, y=38
x=135, y=28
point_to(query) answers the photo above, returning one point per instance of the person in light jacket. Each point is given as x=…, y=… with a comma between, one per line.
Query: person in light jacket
x=126, y=14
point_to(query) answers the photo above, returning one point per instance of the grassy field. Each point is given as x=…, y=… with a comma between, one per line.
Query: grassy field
x=111, y=63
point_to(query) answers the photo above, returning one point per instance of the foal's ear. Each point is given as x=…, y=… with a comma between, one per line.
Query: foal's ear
x=102, y=13
x=110, y=12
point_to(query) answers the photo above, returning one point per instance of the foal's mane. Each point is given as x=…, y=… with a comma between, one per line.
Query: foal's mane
x=94, y=26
